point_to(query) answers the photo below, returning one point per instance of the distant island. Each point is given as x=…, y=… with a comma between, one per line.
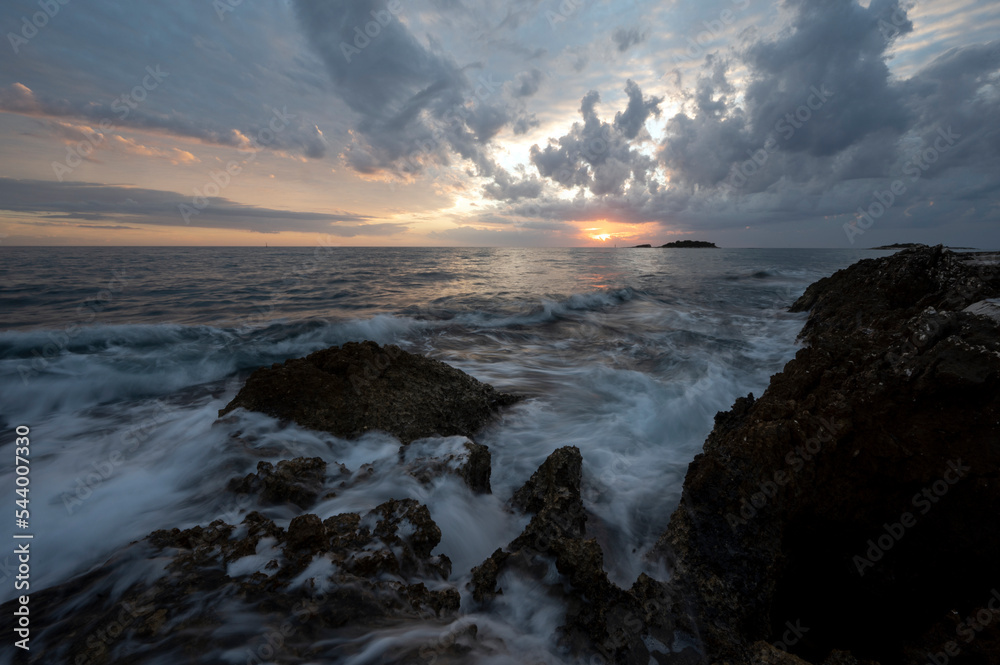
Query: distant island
x=690, y=243
x=682, y=243
x=910, y=245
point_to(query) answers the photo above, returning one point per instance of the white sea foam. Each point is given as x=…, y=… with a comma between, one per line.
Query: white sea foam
x=126, y=440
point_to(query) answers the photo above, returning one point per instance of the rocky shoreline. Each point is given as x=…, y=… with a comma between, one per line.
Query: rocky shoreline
x=852, y=502
x=845, y=516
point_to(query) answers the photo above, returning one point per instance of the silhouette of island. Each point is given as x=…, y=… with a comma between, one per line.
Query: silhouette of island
x=689, y=243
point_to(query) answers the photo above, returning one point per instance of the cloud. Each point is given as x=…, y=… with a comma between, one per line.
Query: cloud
x=113, y=203
x=112, y=227
x=526, y=83
x=597, y=155
x=811, y=128
x=624, y=39
x=817, y=90
x=290, y=135
x=508, y=188
x=840, y=95
x=415, y=106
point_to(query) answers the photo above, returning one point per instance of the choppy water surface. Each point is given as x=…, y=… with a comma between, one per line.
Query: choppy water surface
x=119, y=359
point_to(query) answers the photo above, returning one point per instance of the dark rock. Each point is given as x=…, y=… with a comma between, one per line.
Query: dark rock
x=874, y=296
x=359, y=387
x=810, y=503
x=555, y=486
x=305, y=532
x=298, y=481
x=477, y=470
x=901, y=245
x=428, y=459
x=378, y=565
x=602, y=620
x=642, y=246
x=484, y=576
x=425, y=534
x=911, y=245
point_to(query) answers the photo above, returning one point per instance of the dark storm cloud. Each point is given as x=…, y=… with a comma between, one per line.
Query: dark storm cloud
x=414, y=104
x=109, y=203
x=834, y=45
x=817, y=90
x=822, y=102
x=816, y=125
x=959, y=89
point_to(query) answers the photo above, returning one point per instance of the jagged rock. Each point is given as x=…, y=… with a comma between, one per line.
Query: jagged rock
x=298, y=481
x=317, y=576
x=602, y=620
x=305, y=532
x=810, y=504
x=427, y=459
x=359, y=387
x=869, y=300
x=555, y=487
x=423, y=534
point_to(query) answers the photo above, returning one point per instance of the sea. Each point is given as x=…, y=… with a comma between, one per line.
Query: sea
x=119, y=359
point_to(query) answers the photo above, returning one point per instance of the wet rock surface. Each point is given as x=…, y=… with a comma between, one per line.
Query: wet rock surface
x=429, y=459
x=845, y=517
x=603, y=621
x=359, y=387
x=856, y=499
x=315, y=578
x=298, y=481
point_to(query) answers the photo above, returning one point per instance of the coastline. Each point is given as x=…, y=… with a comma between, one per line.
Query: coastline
x=913, y=324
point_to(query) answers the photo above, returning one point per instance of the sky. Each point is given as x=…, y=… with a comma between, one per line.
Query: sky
x=804, y=123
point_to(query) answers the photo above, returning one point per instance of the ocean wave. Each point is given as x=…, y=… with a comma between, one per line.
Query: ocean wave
x=550, y=310
x=50, y=371
x=46, y=372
